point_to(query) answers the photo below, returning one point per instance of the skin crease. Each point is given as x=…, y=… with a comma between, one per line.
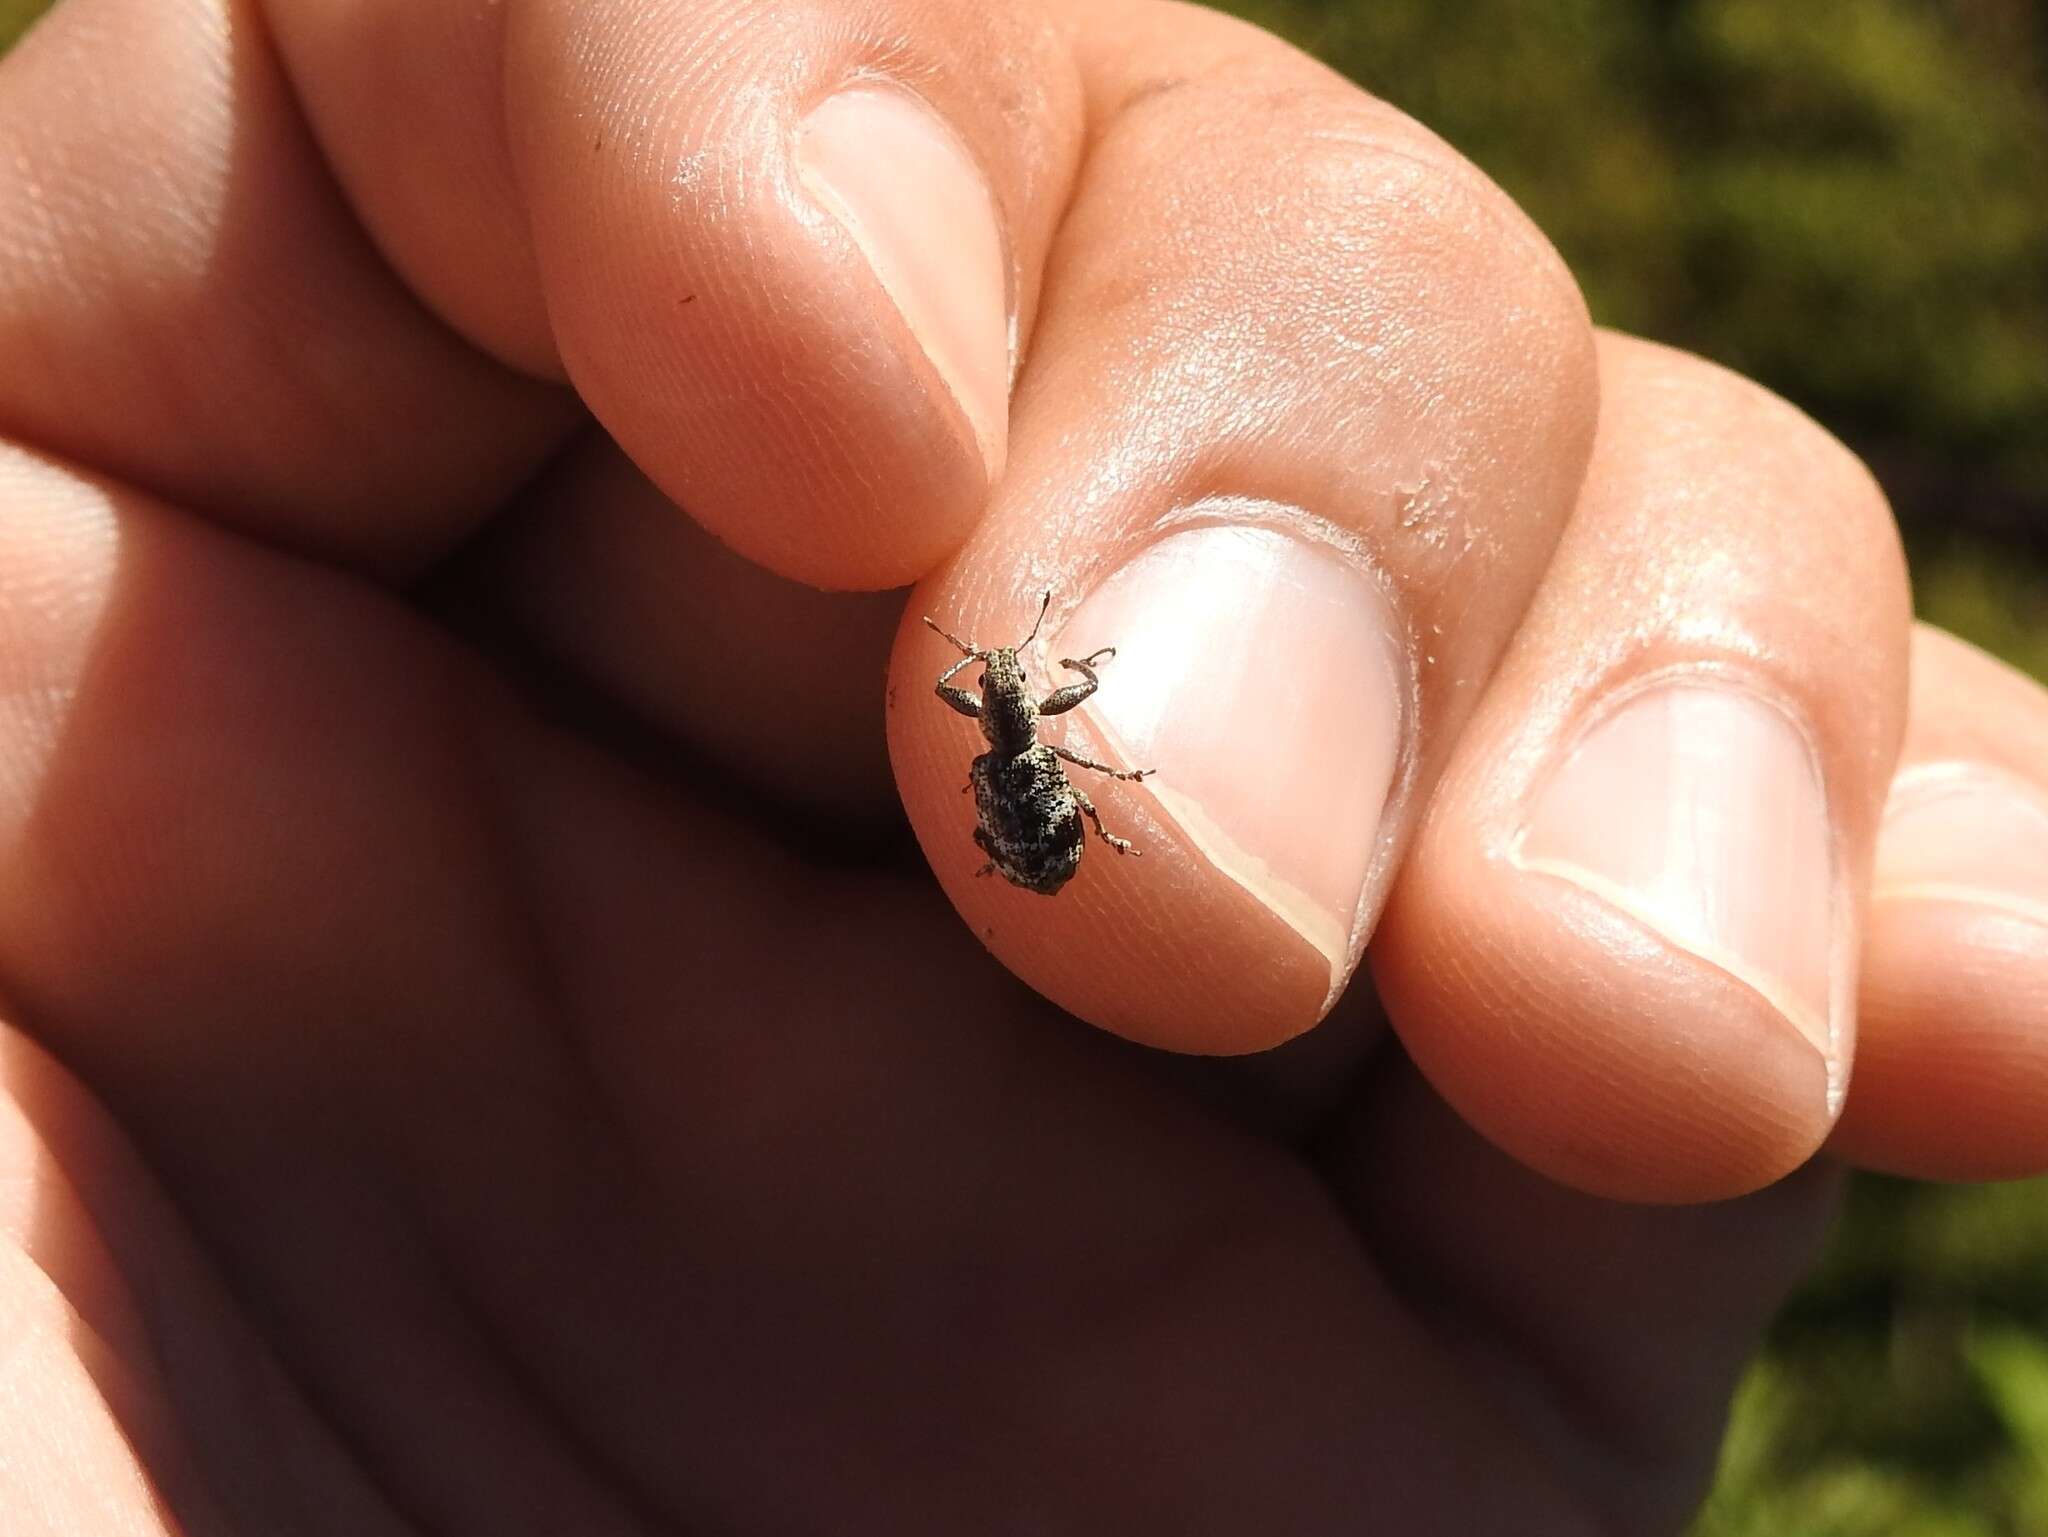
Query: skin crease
x=479, y=1053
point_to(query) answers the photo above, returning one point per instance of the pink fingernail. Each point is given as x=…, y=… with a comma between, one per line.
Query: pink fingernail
x=1698, y=809
x=1261, y=677
x=1961, y=832
x=913, y=199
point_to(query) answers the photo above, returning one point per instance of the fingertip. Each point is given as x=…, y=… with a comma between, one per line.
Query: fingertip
x=1952, y=1062
x=1951, y=1074
x=770, y=400
x=1587, y=1045
x=1625, y=945
x=791, y=280
x=1154, y=948
x=1304, y=566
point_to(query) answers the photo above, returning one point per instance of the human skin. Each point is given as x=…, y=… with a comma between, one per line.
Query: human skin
x=480, y=1052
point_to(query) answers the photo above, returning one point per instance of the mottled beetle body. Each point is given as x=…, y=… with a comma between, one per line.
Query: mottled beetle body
x=1030, y=816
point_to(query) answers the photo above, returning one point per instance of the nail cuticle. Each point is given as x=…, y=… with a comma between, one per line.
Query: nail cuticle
x=1925, y=783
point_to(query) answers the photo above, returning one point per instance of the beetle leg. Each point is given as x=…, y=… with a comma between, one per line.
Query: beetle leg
x=958, y=698
x=1121, y=845
x=1061, y=700
x=1133, y=775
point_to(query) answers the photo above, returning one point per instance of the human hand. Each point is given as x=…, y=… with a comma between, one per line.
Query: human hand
x=476, y=1059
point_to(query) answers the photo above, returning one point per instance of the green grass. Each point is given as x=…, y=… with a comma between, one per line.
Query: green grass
x=1904, y=1391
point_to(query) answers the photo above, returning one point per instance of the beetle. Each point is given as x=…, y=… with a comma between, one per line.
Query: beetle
x=1030, y=815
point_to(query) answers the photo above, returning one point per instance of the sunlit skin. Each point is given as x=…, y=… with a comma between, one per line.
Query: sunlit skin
x=499, y=1028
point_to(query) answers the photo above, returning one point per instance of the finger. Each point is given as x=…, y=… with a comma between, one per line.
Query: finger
x=1952, y=1041
x=1616, y=1332
x=1624, y=946
x=1300, y=465
x=126, y=1347
x=208, y=747
x=234, y=793
x=782, y=251
x=806, y=343
x=186, y=302
x=94, y=1445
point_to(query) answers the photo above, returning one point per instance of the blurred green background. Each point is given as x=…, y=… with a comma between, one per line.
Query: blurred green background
x=1848, y=200
x=1845, y=199
x=15, y=15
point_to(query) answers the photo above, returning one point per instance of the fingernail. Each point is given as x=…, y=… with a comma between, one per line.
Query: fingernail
x=1962, y=833
x=1698, y=809
x=1261, y=677
x=916, y=204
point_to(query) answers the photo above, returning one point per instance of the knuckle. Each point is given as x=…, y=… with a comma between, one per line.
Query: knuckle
x=1312, y=221
x=1731, y=427
x=1739, y=520
x=1324, y=180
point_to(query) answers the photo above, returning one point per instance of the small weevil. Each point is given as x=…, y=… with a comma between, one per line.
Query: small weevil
x=1030, y=816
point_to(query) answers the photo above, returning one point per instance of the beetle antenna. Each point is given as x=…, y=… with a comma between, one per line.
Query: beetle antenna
x=965, y=649
x=1043, y=604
